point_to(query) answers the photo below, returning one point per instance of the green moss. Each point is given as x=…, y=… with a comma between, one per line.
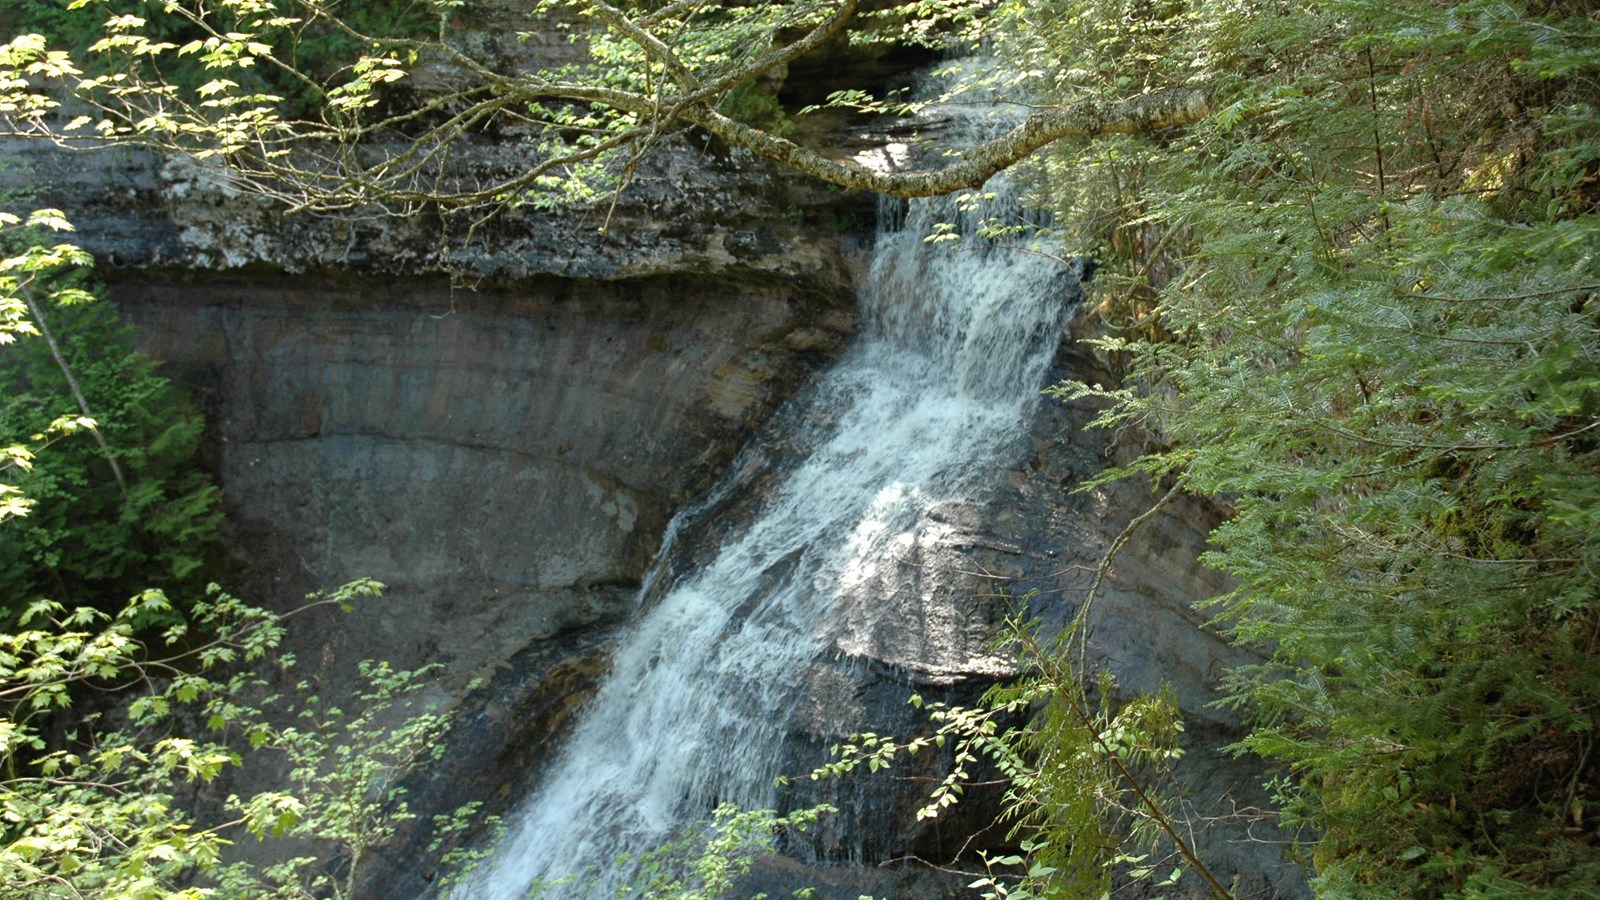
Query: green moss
x=754, y=105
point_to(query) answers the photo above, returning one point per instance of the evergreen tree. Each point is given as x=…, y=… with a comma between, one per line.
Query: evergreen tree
x=1358, y=304
x=117, y=510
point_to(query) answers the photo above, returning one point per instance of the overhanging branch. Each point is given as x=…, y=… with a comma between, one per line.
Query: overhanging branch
x=1151, y=112
x=330, y=165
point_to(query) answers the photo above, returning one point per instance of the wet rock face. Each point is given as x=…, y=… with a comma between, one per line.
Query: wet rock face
x=927, y=629
x=505, y=460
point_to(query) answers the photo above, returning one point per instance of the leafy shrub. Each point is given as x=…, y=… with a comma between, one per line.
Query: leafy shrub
x=95, y=810
x=316, y=47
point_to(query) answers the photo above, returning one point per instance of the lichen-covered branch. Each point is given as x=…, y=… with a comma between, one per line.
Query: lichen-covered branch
x=1166, y=109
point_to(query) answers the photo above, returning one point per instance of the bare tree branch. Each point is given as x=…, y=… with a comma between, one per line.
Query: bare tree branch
x=345, y=161
x=77, y=392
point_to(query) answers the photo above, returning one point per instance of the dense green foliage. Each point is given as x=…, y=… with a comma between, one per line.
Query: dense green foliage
x=315, y=50
x=89, y=536
x=1358, y=304
x=21, y=279
x=110, y=516
x=101, y=807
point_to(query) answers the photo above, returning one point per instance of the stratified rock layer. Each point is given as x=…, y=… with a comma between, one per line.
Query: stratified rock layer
x=504, y=460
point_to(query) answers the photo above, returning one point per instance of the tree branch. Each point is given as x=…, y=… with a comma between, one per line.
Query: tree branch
x=1150, y=112
x=77, y=392
x=649, y=43
x=318, y=165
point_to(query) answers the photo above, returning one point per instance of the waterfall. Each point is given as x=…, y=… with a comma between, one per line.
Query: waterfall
x=953, y=347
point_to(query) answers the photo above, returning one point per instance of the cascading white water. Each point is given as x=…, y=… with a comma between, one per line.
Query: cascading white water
x=953, y=347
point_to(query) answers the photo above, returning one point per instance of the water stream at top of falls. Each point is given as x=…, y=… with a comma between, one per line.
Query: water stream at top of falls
x=953, y=346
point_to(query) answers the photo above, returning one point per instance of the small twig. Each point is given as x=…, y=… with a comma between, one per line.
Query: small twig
x=77, y=392
x=1377, y=140
x=1105, y=566
x=1156, y=812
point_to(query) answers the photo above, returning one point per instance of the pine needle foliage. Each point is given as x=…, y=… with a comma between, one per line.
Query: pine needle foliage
x=1358, y=305
x=125, y=505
